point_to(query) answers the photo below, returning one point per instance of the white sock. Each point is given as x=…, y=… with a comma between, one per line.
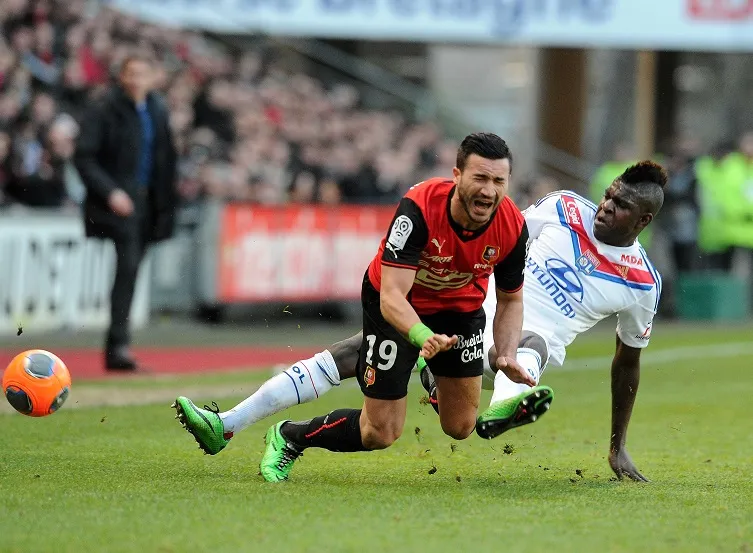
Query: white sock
x=504, y=388
x=487, y=379
x=302, y=382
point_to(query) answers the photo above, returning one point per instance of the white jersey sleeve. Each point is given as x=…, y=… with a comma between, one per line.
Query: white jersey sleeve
x=634, y=323
x=539, y=214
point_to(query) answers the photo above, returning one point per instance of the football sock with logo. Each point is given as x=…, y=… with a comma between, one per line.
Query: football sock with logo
x=339, y=431
x=505, y=388
x=302, y=382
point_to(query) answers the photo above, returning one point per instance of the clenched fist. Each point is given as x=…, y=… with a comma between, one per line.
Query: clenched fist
x=437, y=343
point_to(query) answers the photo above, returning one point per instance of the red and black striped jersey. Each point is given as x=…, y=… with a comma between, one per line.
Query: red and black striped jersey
x=452, y=264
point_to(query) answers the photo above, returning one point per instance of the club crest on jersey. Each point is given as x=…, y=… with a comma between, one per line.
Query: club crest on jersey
x=369, y=377
x=588, y=262
x=399, y=233
x=491, y=253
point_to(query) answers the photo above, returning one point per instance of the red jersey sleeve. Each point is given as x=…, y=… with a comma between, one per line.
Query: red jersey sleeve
x=508, y=273
x=407, y=237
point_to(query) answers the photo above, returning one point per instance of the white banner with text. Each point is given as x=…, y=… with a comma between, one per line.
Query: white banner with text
x=719, y=25
x=52, y=277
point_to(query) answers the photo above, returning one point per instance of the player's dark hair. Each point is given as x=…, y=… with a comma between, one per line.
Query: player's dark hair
x=135, y=55
x=483, y=144
x=648, y=179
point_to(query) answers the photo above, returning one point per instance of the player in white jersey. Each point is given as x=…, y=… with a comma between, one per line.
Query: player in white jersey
x=584, y=265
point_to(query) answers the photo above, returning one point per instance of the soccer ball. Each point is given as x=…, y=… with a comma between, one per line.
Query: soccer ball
x=36, y=383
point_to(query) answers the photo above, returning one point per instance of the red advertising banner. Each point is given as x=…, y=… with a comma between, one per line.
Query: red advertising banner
x=721, y=10
x=297, y=253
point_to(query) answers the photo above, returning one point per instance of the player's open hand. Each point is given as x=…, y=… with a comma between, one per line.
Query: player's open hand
x=623, y=465
x=437, y=343
x=120, y=203
x=514, y=371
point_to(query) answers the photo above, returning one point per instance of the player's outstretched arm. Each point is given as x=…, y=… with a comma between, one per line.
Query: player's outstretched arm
x=508, y=320
x=626, y=369
x=396, y=310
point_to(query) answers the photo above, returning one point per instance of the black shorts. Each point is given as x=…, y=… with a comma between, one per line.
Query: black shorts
x=387, y=358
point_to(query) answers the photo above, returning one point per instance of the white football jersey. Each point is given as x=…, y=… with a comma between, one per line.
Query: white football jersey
x=573, y=281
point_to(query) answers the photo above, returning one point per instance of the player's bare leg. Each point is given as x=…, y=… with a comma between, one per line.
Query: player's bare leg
x=304, y=381
x=382, y=422
x=458, y=400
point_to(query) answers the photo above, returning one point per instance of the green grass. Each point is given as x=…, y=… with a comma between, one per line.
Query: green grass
x=137, y=482
x=169, y=381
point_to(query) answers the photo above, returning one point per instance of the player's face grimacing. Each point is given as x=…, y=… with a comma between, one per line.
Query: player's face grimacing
x=620, y=216
x=481, y=186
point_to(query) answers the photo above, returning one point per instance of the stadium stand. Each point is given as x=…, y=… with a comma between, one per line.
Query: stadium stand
x=246, y=127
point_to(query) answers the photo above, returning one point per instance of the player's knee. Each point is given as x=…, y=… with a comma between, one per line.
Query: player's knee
x=491, y=358
x=459, y=428
x=381, y=436
x=535, y=342
x=345, y=353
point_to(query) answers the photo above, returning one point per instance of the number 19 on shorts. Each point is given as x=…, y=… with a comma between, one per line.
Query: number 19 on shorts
x=386, y=354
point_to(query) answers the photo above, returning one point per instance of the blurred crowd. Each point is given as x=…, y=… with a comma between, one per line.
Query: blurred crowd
x=246, y=128
x=708, y=200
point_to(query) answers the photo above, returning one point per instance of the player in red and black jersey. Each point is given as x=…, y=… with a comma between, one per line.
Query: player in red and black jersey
x=452, y=263
x=422, y=295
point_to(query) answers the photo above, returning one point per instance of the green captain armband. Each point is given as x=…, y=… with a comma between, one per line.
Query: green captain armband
x=418, y=334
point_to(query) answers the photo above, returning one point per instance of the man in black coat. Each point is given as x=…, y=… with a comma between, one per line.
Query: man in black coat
x=127, y=161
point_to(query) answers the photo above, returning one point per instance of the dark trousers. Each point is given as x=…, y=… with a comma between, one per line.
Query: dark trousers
x=685, y=256
x=722, y=261
x=129, y=254
x=130, y=247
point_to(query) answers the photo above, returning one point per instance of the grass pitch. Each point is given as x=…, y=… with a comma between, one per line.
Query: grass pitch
x=104, y=478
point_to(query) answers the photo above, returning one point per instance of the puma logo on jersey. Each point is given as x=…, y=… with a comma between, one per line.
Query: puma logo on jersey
x=437, y=244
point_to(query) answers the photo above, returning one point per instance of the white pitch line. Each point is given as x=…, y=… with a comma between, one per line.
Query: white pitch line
x=662, y=356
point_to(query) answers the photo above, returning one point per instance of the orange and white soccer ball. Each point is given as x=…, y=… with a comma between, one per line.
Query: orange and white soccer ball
x=36, y=383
